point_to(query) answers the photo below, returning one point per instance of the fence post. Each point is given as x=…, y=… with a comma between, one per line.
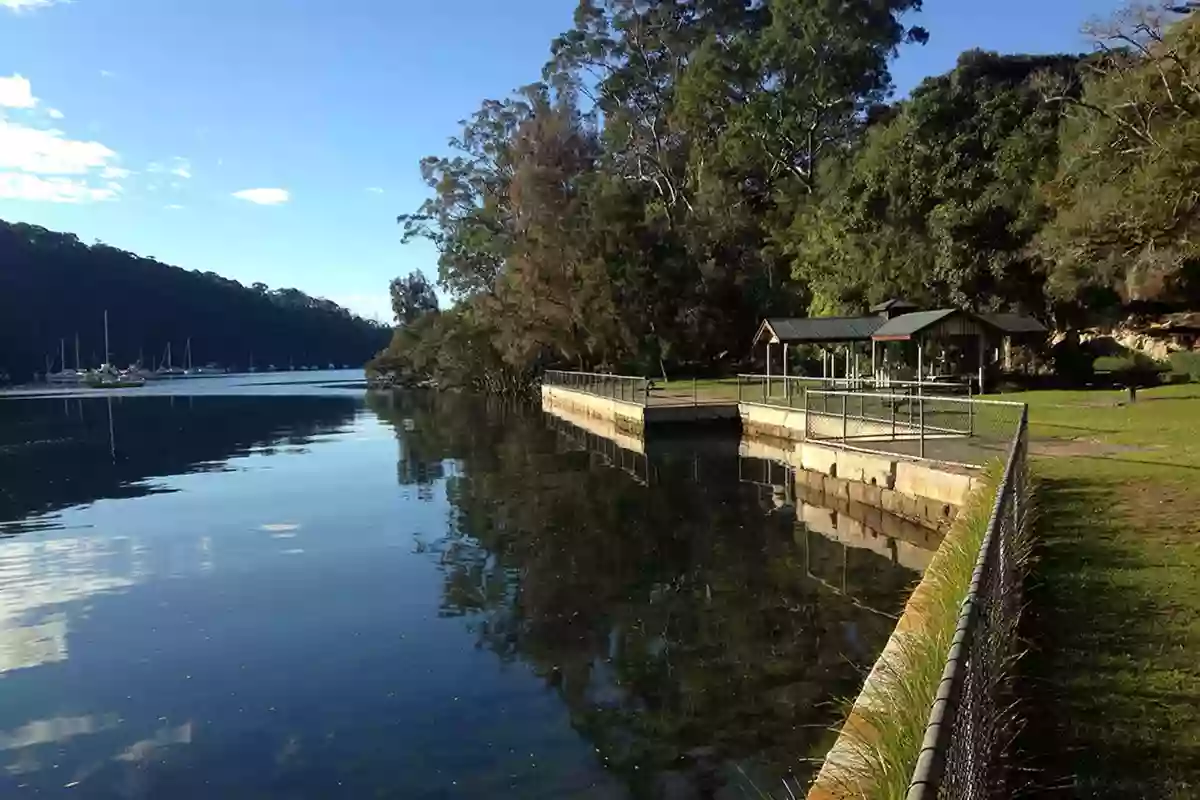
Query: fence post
x=806, y=413
x=921, y=412
x=695, y=399
x=845, y=404
x=646, y=391
x=892, y=406
x=739, y=389
x=970, y=411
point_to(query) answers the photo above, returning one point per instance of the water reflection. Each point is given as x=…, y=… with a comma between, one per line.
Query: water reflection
x=432, y=597
x=64, y=452
x=688, y=629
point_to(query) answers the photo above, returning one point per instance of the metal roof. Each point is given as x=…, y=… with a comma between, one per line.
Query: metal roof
x=889, y=305
x=800, y=330
x=1013, y=323
x=906, y=326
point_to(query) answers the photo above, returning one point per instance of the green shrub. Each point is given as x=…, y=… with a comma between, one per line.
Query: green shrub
x=1186, y=363
x=1134, y=369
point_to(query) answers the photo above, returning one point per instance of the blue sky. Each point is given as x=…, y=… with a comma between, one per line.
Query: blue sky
x=149, y=124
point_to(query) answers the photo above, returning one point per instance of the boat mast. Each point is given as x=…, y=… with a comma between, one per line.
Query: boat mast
x=188, y=352
x=76, y=352
x=62, y=347
x=106, y=352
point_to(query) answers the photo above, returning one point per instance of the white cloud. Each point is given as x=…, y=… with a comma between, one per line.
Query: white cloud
x=174, y=207
x=54, y=113
x=23, y=186
x=26, y=5
x=375, y=190
x=179, y=167
x=49, y=152
x=103, y=73
x=264, y=197
x=16, y=92
x=45, y=165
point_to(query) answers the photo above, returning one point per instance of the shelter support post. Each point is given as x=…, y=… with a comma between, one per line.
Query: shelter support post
x=982, y=356
x=920, y=365
x=787, y=390
x=767, y=390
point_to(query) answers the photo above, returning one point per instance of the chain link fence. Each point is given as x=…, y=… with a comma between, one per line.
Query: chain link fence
x=964, y=755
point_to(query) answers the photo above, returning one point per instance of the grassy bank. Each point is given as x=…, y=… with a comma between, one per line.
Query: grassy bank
x=1112, y=681
x=883, y=733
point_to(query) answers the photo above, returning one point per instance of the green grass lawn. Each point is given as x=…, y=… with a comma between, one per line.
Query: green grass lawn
x=1112, y=680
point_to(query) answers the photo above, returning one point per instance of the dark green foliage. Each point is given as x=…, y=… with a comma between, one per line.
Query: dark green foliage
x=688, y=168
x=940, y=202
x=622, y=214
x=54, y=287
x=1127, y=214
x=412, y=298
x=1186, y=363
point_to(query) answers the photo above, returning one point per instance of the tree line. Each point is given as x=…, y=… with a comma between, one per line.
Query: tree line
x=682, y=170
x=53, y=287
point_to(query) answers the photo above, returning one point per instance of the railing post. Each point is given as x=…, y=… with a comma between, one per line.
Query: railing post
x=806, y=413
x=921, y=412
x=739, y=389
x=970, y=411
x=892, y=406
x=695, y=399
x=845, y=404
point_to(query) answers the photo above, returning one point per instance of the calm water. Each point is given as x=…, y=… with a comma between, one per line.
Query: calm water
x=247, y=593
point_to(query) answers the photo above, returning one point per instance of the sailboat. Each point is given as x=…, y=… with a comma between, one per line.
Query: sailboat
x=66, y=377
x=199, y=372
x=167, y=370
x=108, y=375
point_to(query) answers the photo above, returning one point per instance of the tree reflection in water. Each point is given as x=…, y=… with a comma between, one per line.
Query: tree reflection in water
x=683, y=623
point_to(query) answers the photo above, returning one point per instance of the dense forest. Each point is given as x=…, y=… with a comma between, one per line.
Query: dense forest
x=54, y=287
x=683, y=169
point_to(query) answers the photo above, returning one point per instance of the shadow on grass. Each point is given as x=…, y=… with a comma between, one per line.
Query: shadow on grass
x=1108, y=695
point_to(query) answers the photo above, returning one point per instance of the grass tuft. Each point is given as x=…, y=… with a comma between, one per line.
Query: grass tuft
x=877, y=751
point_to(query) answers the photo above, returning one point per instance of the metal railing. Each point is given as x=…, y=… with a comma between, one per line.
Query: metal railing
x=964, y=755
x=917, y=420
x=788, y=390
x=627, y=388
x=952, y=430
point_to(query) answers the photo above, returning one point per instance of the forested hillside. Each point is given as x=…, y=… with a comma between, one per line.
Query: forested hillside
x=54, y=287
x=683, y=169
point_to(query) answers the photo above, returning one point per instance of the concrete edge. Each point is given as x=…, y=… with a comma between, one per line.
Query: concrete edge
x=834, y=781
